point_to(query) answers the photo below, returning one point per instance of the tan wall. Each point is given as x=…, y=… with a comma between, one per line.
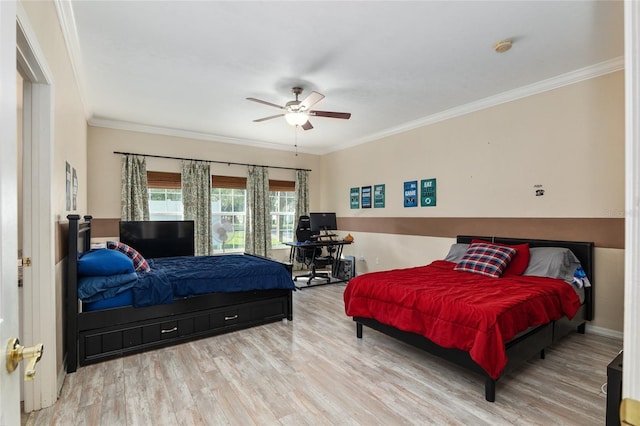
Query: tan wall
x=570, y=140
x=70, y=130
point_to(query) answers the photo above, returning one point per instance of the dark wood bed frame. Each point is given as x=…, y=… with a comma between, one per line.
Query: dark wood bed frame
x=100, y=335
x=525, y=346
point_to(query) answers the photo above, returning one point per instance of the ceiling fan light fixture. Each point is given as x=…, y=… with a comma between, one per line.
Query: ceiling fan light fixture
x=296, y=118
x=297, y=112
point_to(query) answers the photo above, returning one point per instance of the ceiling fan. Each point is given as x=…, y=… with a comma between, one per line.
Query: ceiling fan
x=297, y=112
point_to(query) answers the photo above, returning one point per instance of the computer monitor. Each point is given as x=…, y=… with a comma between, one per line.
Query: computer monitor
x=323, y=222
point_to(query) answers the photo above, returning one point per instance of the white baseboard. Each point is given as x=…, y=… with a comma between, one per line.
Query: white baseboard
x=606, y=332
x=62, y=374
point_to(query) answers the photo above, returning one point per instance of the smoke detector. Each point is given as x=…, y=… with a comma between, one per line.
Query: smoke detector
x=502, y=46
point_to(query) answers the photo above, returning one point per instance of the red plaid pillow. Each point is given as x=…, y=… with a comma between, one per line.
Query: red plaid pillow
x=139, y=262
x=519, y=262
x=486, y=259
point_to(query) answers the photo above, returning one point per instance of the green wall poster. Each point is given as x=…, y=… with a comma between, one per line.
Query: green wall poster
x=355, y=198
x=428, y=192
x=378, y=196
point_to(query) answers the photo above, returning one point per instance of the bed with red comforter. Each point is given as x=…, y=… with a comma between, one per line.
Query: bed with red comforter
x=480, y=322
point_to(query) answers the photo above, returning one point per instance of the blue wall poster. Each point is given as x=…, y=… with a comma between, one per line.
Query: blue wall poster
x=428, y=192
x=411, y=193
x=355, y=198
x=366, y=197
x=378, y=196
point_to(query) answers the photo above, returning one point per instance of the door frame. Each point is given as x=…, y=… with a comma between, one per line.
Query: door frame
x=39, y=309
x=9, y=382
x=631, y=342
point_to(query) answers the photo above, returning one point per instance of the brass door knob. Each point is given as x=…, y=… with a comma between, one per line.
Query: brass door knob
x=16, y=353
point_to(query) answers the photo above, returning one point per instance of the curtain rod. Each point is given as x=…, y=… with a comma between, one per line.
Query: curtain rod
x=228, y=163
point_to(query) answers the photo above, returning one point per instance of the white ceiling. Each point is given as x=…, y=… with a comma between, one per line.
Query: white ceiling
x=181, y=67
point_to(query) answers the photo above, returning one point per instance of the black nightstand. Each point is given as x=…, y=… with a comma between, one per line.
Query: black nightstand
x=614, y=391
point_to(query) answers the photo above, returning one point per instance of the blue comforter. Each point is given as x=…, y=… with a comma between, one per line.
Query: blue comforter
x=177, y=277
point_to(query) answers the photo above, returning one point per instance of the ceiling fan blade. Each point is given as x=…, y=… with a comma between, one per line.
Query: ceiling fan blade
x=307, y=126
x=268, y=118
x=311, y=100
x=265, y=102
x=331, y=114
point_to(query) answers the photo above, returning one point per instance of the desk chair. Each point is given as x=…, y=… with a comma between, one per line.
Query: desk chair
x=309, y=256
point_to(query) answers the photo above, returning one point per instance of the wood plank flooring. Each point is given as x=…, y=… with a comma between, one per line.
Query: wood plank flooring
x=314, y=371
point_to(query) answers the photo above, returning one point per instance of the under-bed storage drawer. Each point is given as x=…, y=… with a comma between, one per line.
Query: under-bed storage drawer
x=110, y=342
x=229, y=316
x=160, y=331
x=113, y=341
x=268, y=310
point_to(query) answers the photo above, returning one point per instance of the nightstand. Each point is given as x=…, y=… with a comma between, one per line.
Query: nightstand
x=614, y=391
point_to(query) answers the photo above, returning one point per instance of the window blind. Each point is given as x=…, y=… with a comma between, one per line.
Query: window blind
x=170, y=180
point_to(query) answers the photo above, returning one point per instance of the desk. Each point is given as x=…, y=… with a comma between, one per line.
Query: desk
x=317, y=247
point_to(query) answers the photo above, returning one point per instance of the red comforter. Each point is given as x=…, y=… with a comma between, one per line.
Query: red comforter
x=460, y=310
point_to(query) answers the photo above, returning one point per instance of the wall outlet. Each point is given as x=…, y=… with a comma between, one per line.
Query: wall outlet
x=377, y=260
x=361, y=258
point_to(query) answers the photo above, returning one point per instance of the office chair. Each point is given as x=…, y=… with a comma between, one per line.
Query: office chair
x=309, y=256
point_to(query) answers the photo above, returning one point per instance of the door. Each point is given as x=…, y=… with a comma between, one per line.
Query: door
x=9, y=382
x=631, y=366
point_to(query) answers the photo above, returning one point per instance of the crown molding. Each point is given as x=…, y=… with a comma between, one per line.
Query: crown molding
x=188, y=134
x=553, y=83
x=67, y=20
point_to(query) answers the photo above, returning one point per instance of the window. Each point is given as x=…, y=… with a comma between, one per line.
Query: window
x=165, y=196
x=228, y=207
x=165, y=204
x=283, y=207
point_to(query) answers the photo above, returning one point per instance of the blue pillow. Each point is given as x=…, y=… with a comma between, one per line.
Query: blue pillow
x=95, y=288
x=104, y=262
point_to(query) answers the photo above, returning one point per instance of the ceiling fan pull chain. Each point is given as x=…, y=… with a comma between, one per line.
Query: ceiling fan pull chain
x=295, y=143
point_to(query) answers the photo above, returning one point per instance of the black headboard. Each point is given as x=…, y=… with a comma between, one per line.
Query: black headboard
x=582, y=250
x=159, y=238
x=79, y=241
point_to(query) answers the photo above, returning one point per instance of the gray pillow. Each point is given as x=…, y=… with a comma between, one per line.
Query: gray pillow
x=552, y=262
x=456, y=252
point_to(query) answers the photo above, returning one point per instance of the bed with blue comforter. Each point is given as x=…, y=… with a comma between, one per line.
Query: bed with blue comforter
x=179, y=277
x=119, y=303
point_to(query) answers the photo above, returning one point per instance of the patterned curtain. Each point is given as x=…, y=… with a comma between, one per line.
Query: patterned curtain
x=302, y=194
x=258, y=227
x=134, y=194
x=196, y=202
x=302, y=204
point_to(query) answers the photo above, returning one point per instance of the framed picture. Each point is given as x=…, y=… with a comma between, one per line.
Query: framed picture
x=366, y=197
x=378, y=196
x=411, y=193
x=74, y=189
x=428, y=192
x=354, y=197
x=68, y=172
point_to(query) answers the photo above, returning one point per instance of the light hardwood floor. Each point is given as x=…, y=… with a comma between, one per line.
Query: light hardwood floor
x=314, y=371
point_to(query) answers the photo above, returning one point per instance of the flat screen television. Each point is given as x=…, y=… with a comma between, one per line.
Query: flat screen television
x=161, y=238
x=322, y=222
